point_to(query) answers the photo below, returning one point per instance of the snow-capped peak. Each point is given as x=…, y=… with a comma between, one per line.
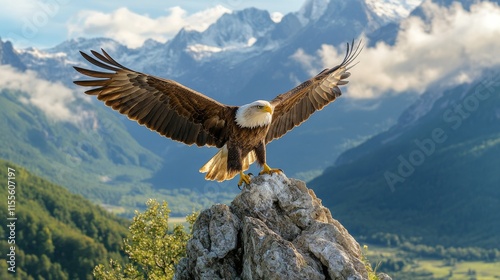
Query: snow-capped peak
x=312, y=10
x=392, y=10
x=237, y=31
x=42, y=54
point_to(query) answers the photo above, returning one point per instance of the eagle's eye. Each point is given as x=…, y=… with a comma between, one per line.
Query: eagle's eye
x=260, y=106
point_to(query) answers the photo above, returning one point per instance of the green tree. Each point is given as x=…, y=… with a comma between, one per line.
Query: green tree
x=151, y=246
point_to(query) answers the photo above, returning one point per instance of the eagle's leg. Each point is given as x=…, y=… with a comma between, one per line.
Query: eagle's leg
x=269, y=170
x=260, y=152
x=244, y=178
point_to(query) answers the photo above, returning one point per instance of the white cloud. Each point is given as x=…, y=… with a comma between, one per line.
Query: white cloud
x=276, y=16
x=311, y=63
x=392, y=10
x=452, y=48
x=54, y=99
x=133, y=29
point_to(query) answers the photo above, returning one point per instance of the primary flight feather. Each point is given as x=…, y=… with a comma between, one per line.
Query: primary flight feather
x=183, y=114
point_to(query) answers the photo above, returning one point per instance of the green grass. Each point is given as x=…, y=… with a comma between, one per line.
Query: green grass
x=460, y=270
x=484, y=271
x=114, y=209
x=426, y=269
x=381, y=251
x=173, y=221
x=372, y=272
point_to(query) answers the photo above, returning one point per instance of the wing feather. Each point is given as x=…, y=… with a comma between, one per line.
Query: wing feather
x=97, y=62
x=155, y=115
x=297, y=105
x=171, y=109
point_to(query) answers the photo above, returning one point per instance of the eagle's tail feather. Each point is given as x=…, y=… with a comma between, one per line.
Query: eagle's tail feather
x=216, y=167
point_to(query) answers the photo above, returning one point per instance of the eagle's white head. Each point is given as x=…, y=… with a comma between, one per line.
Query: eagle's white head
x=255, y=114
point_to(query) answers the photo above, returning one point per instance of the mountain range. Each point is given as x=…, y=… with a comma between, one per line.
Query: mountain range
x=245, y=56
x=434, y=179
x=242, y=57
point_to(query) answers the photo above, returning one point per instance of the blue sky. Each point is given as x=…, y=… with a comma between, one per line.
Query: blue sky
x=45, y=23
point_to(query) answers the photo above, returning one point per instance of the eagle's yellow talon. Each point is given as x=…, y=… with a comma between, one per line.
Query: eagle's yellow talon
x=269, y=170
x=244, y=178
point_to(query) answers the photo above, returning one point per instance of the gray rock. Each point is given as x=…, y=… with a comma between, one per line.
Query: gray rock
x=276, y=228
x=383, y=276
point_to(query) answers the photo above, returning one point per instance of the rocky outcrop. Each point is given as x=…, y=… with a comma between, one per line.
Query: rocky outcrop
x=276, y=228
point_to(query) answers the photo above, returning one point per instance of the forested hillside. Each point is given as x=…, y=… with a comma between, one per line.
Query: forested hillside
x=434, y=179
x=58, y=235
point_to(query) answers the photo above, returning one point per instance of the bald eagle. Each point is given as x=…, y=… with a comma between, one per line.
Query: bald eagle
x=240, y=132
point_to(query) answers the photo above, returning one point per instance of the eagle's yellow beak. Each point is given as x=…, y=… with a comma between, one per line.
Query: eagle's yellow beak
x=267, y=109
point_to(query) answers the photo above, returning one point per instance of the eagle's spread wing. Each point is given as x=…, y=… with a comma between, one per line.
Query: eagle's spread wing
x=165, y=106
x=295, y=106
